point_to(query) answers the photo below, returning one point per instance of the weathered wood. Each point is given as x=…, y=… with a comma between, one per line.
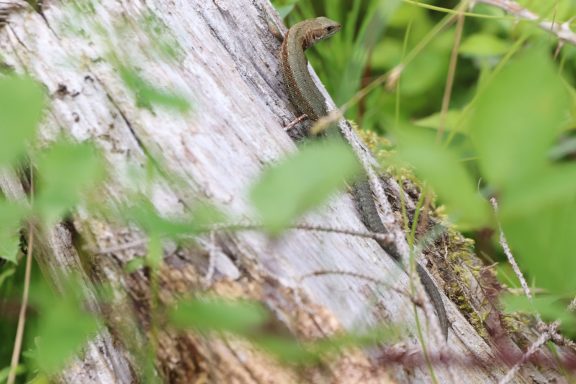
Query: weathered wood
x=227, y=67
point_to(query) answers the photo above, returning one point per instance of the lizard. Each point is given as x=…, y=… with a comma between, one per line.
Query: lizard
x=310, y=102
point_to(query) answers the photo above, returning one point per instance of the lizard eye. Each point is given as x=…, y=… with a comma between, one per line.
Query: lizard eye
x=330, y=28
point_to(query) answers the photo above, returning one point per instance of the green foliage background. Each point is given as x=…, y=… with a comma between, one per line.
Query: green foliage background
x=508, y=132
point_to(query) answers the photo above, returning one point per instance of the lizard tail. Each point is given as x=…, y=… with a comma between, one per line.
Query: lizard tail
x=435, y=297
x=369, y=215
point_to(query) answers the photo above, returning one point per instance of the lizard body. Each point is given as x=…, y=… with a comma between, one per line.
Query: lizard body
x=303, y=92
x=308, y=100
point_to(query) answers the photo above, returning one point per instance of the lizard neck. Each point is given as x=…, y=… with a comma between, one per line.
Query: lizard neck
x=301, y=87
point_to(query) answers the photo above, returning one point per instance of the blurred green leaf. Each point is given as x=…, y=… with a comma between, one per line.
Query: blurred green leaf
x=427, y=71
x=64, y=326
x=289, y=350
x=135, y=264
x=285, y=10
x=211, y=314
x=4, y=372
x=160, y=38
x=293, y=351
x=303, y=181
x=21, y=106
x=559, y=10
x=517, y=117
x=40, y=379
x=387, y=53
x=483, y=45
x=155, y=255
x=201, y=219
x=506, y=274
x=550, y=307
x=65, y=171
x=12, y=215
x=441, y=168
x=381, y=334
x=64, y=329
x=551, y=188
x=145, y=215
x=544, y=243
x=452, y=121
x=205, y=215
x=147, y=94
x=9, y=241
x=6, y=274
x=407, y=14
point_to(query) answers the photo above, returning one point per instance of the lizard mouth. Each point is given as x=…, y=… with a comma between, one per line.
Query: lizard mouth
x=331, y=30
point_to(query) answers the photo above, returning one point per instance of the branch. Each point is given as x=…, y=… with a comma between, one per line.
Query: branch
x=560, y=30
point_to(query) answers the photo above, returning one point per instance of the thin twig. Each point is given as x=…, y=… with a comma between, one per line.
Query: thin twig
x=561, y=30
x=386, y=238
x=23, y=307
x=346, y=231
x=543, y=339
x=451, y=72
x=509, y=255
x=121, y=247
x=295, y=122
x=374, y=280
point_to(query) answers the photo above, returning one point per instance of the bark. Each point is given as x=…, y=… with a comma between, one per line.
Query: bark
x=226, y=64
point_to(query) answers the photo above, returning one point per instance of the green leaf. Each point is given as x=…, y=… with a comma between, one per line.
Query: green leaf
x=40, y=379
x=6, y=274
x=550, y=307
x=147, y=94
x=145, y=215
x=65, y=171
x=203, y=217
x=554, y=187
x=293, y=351
x=424, y=74
x=160, y=38
x=289, y=350
x=506, y=274
x=135, y=264
x=155, y=255
x=21, y=105
x=453, y=121
x=218, y=315
x=517, y=118
x=483, y=45
x=12, y=215
x=387, y=53
x=544, y=244
x=441, y=168
x=20, y=369
x=285, y=10
x=9, y=242
x=302, y=181
x=63, y=327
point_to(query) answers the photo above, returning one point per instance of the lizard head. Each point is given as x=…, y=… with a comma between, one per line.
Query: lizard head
x=319, y=29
